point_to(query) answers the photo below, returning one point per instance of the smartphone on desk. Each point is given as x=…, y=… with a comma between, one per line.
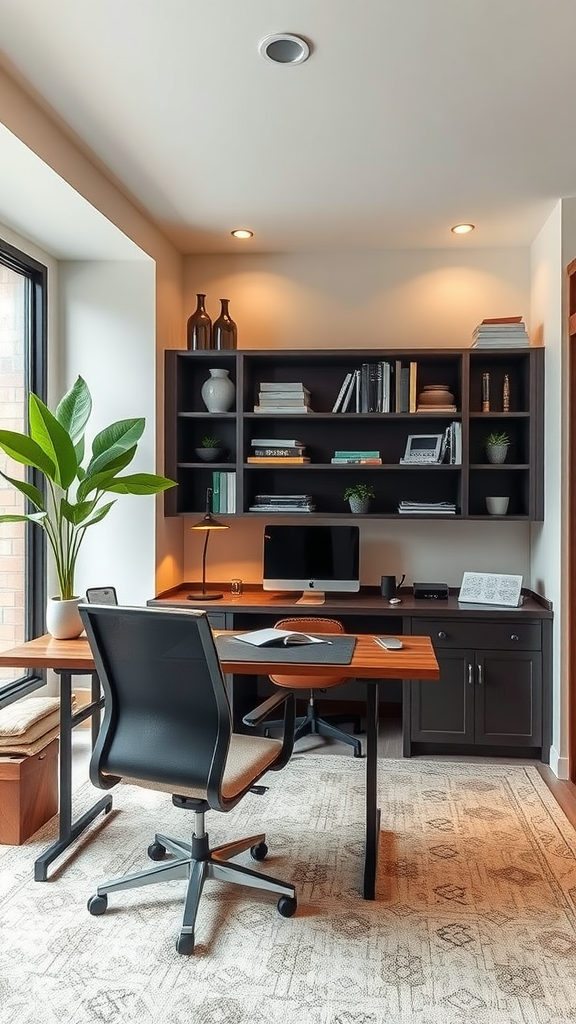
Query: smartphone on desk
x=101, y=595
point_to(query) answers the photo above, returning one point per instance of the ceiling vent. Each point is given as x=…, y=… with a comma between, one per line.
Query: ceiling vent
x=283, y=48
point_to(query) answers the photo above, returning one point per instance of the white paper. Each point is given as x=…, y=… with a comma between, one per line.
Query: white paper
x=278, y=638
x=491, y=588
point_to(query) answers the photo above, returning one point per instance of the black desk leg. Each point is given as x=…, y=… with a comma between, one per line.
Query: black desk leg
x=68, y=830
x=372, y=809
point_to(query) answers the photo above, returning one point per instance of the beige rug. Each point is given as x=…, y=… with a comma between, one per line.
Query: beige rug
x=475, y=919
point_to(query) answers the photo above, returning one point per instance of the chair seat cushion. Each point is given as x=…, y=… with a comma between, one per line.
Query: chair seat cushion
x=248, y=758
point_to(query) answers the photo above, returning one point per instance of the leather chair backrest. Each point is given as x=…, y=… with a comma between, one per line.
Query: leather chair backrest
x=167, y=717
x=310, y=625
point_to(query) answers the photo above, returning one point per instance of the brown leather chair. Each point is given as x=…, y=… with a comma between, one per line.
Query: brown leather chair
x=311, y=723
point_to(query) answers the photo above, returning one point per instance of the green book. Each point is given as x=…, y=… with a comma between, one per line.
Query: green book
x=216, y=490
x=357, y=455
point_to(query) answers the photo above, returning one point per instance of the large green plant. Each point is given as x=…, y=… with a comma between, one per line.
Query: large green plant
x=71, y=499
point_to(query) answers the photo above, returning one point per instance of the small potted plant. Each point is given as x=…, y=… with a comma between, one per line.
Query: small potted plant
x=358, y=495
x=210, y=449
x=497, y=444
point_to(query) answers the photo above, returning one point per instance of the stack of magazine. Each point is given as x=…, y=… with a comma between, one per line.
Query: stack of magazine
x=427, y=508
x=283, y=503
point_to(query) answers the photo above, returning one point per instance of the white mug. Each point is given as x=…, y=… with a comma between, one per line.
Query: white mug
x=497, y=506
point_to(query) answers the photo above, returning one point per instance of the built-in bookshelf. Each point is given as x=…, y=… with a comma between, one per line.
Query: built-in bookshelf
x=320, y=432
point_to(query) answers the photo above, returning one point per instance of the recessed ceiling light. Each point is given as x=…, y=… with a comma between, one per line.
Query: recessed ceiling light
x=242, y=233
x=282, y=48
x=462, y=229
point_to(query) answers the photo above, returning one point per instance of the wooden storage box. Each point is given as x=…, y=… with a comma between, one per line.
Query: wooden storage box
x=28, y=793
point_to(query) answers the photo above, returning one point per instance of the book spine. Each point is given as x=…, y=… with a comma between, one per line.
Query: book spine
x=279, y=459
x=367, y=454
x=269, y=452
x=356, y=462
x=216, y=490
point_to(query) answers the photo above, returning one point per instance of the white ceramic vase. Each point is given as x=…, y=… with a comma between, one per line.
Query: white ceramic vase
x=63, y=620
x=218, y=392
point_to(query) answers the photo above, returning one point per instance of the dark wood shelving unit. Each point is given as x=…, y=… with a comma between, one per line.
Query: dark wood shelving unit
x=467, y=485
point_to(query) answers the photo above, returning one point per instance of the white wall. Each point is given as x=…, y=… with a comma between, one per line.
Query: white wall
x=107, y=318
x=548, y=539
x=420, y=299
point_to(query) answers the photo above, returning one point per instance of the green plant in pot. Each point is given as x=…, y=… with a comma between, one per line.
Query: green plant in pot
x=71, y=498
x=359, y=495
x=210, y=449
x=496, y=444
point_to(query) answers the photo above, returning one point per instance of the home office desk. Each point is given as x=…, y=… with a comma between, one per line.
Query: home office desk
x=369, y=662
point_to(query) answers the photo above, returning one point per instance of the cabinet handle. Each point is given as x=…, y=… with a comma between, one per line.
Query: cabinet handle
x=470, y=674
x=514, y=637
x=441, y=635
x=479, y=675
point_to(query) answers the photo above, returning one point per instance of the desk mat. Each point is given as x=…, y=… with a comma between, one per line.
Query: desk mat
x=338, y=652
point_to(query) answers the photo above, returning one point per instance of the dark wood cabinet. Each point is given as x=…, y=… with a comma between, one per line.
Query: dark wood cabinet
x=490, y=692
x=465, y=484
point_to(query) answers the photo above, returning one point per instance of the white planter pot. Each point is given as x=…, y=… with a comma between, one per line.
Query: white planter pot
x=359, y=505
x=63, y=620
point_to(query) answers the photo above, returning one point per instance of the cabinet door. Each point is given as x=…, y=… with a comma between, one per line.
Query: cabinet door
x=508, y=698
x=442, y=711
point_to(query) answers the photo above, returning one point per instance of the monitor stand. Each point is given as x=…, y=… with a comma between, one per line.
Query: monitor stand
x=312, y=597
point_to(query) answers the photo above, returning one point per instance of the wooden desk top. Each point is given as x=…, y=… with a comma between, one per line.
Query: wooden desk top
x=416, y=660
x=369, y=601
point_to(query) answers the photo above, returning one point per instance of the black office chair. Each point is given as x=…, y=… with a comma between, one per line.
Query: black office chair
x=311, y=723
x=168, y=726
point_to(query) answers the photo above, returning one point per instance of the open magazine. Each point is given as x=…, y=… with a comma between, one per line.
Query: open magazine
x=278, y=638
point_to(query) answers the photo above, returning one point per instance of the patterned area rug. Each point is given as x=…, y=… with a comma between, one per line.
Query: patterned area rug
x=475, y=919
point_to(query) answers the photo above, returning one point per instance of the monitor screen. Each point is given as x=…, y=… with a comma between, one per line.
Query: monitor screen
x=312, y=558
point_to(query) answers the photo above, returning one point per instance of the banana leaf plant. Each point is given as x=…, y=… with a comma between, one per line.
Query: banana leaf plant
x=72, y=498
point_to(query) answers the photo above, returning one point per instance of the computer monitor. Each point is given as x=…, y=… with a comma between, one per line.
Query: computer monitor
x=312, y=559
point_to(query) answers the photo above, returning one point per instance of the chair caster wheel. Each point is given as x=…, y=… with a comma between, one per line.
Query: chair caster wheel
x=287, y=906
x=97, y=905
x=185, y=943
x=156, y=851
x=258, y=852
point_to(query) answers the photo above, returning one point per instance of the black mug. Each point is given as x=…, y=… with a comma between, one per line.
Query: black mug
x=388, y=585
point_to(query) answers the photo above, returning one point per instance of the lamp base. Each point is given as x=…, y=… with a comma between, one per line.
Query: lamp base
x=204, y=597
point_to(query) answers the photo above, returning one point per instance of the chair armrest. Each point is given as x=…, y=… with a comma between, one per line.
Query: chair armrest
x=253, y=718
x=263, y=710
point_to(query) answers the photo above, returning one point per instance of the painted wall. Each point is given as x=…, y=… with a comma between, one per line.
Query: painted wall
x=422, y=299
x=161, y=297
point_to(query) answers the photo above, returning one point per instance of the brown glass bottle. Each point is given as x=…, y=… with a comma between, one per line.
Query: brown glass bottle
x=199, y=327
x=224, y=332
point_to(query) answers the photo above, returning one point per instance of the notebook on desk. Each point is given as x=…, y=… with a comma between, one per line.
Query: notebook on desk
x=339, y=651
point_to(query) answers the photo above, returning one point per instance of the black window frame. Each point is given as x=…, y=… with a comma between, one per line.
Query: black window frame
x=35, y=364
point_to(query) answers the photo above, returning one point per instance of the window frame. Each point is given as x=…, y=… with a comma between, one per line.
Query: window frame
x=35, y=366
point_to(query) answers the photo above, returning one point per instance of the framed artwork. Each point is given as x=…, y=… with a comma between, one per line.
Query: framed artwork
x=491, y=588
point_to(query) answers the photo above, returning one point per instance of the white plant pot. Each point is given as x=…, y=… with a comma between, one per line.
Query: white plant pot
x=63, y=620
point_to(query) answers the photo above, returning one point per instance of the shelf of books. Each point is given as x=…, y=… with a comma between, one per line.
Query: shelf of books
x=307, y=424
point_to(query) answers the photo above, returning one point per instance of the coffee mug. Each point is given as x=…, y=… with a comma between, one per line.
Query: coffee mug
x=388, y=585
x=497, y=506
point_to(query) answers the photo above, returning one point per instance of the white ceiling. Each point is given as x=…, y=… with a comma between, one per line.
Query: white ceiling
x=410, y=115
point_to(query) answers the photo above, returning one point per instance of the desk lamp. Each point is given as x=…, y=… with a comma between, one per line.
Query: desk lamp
x=207, y=523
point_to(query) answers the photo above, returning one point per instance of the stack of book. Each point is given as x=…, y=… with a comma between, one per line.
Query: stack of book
x=269, y=450
x=501, y=332
x=427, y=508
x=223, y=492
x=285, y=397
x=280, y=503
x=356, y=458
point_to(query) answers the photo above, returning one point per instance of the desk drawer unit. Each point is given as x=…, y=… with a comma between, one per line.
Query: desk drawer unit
x=494, y=636
x=489, y=695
